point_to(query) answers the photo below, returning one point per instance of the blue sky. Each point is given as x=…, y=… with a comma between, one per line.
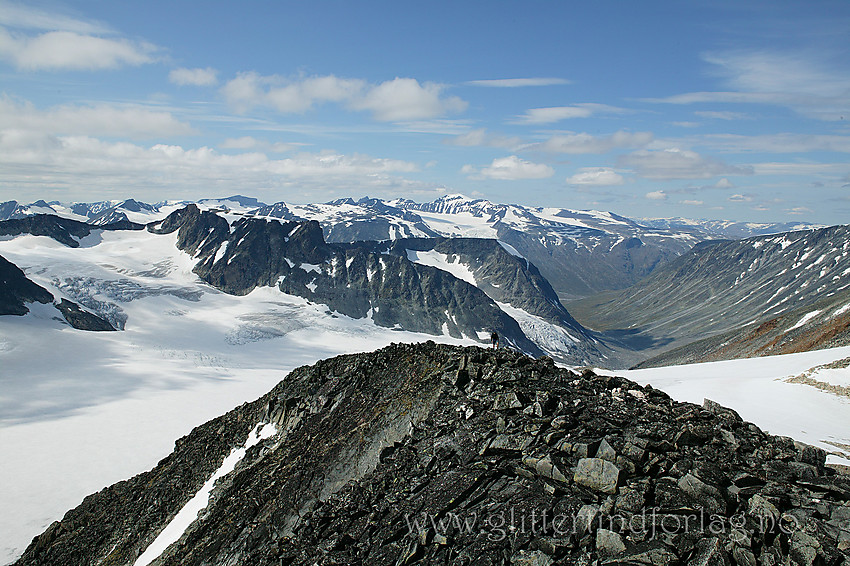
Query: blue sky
x=648, y=109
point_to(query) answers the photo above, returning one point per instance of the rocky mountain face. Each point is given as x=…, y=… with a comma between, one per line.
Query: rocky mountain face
x=579, y=253
x=16, y=290
x=825, y=323
x=727, y=287
x=445, y=455
x=63, y=230
x=361, y=281
x=497, y=269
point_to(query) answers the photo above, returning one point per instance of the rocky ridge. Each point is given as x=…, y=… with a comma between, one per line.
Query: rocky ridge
x=445, y=455
x=364, y=281
x=16, y=290
x=63, y=230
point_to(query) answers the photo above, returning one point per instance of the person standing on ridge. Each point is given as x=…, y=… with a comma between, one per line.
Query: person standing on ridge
x=494, y=339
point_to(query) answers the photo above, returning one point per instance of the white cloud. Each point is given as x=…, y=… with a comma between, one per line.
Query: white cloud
x=510, y=168
x=558, y=113
x=403, y=99
x=57, y=50
x=194, y=77
x=248, y=142
x=656, y=195
x=482, y=138
x=585, y=143
x=135, y=122
x=678, y=164
x=515, y=83
x=398, y=100
x=798, y=210
x=85, y=164
x=723, y=183
x=252, y=89
x=692, y=202
x=596, y=176
x=739, y=198
x=777, y=143
x=803, y=169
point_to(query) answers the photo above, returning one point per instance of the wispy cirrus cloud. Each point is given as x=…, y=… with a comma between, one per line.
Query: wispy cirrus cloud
x=23, y=16
x=128, y=121
x=584, y=143
x=674, y=163
x=721, y=115
x=802, y=81
x=557, y=113
x=777, y=143
x=519, y=83
x=250, y=142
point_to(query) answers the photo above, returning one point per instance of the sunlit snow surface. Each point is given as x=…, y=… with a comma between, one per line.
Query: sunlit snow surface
x=82, y=410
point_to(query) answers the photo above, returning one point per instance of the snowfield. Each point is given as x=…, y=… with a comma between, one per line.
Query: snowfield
x=82, y=410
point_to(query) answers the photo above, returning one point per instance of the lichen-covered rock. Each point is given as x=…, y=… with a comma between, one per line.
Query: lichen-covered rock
x=597, y=474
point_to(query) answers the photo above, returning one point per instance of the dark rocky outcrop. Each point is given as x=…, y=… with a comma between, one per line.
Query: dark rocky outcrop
x=63, y=230
x=82, y=319
x=504, y=277
x=443, y=455
x=16, y=290
x=364, y=281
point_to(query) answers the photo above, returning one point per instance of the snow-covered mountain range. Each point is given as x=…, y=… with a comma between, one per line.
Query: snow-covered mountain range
x=579, y=252
x=216, y=300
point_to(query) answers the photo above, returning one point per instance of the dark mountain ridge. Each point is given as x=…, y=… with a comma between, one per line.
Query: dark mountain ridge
x=444, y=455
x=359, y=282
x=16, y=290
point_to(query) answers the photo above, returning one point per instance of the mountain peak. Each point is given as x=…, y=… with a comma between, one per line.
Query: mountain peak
x=471, y=454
